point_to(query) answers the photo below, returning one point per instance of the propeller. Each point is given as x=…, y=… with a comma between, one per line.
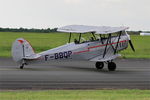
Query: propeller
x=131, y=45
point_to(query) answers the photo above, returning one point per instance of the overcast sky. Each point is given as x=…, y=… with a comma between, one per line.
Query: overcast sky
x=56, y=13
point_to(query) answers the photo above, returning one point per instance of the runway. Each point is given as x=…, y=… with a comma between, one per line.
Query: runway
x=130, y=74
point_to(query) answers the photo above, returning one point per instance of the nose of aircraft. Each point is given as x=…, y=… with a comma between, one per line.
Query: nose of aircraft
x=130, y=42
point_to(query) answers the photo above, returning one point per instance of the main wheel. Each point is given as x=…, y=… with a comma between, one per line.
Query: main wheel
x=111, y=66
x=99, y=65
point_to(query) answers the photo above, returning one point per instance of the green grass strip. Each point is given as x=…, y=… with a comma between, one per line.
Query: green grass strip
x=76, y=95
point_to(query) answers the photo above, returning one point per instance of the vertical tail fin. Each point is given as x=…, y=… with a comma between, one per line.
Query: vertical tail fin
x=21, y=48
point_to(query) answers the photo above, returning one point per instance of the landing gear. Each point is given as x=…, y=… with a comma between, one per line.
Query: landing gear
x=21, y=67
x=23, y=64
x=111, y=66
x=99, y=65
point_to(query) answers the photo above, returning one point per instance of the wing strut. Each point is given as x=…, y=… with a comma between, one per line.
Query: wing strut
x=111, y=44
x=93, y=35
x=70, y=38
x=101, y=38
x=117, y=42
x=79, y=37
x=106, y=45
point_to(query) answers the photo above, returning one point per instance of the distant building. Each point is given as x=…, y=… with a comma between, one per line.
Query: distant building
x=144, y=34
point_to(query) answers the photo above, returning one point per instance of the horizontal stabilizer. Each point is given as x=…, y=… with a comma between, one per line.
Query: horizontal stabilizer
x=32, y=57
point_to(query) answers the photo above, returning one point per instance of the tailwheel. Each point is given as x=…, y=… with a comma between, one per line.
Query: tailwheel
x=111, y=66
x=21, y=67
x=99, y=65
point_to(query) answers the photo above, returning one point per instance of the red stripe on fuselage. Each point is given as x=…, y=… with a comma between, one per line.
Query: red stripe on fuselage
x=97, y=47
x=81, y=51
x=106, y=44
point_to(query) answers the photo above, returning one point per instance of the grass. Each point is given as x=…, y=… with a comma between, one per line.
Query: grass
x=141, y=45
x=76, y=95
x=39, y=41
x=45, y=41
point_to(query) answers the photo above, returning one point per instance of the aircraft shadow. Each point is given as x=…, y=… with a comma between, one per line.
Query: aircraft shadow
x=74, y=68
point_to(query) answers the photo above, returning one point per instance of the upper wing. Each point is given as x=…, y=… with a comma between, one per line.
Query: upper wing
x=76, y=29
x=95, y=29
x=106, y=58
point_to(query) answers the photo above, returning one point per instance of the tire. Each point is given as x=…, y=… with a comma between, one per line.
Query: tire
x=99, y=65
x=21, y=67
x=111, y=66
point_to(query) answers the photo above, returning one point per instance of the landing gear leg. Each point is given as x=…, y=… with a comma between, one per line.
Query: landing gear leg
x=23, y=63
x=99, y=65
x=111, y=66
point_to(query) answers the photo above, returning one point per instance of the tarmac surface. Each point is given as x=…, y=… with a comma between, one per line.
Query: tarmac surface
x=130, y=74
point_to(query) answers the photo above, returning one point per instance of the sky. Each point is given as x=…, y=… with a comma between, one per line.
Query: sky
x=56, y=13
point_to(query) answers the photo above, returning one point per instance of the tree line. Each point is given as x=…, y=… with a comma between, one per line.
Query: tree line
x=48, y=30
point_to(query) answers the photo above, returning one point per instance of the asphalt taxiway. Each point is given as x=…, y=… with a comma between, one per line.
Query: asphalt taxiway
x=130, y=74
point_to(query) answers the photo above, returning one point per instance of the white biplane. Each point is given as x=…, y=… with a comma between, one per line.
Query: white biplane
x=102, y=46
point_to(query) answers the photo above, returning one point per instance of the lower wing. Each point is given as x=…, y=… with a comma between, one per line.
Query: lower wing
x=106, y=58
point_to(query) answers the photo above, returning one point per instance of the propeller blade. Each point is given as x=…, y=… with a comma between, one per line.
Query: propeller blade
x=131, y=45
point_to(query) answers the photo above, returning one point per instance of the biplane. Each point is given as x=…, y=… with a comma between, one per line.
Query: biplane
x=102, y=46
